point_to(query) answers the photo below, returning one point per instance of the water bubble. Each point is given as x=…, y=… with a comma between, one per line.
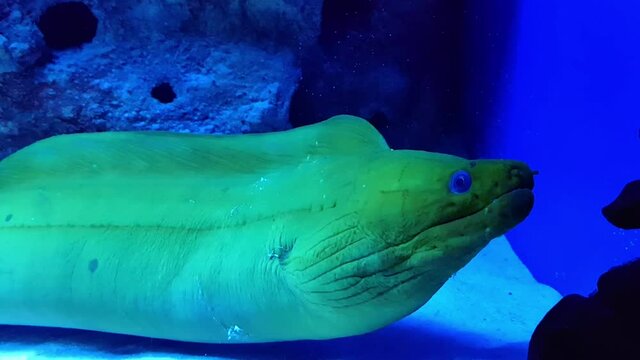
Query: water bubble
x=234, y=211
x=235, y=333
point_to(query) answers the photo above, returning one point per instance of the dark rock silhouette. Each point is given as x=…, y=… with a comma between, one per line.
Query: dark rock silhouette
x=624, y=211
x=603, y=325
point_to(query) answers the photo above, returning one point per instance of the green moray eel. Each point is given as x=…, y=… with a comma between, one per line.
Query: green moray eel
x=312, y=233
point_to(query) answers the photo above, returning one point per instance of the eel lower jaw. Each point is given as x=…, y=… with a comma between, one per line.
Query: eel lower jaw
x=515, y=204
x=512, y=207
x=470, y=233
x=500, y=215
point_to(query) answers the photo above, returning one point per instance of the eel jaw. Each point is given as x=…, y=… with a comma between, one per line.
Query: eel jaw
x=439, y=252
x=475, y=230
x=453, y=244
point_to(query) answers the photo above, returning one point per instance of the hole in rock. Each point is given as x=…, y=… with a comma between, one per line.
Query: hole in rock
x=67, y=25
x=163, y=92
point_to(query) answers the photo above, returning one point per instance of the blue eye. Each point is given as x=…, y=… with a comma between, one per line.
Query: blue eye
x=460, y=182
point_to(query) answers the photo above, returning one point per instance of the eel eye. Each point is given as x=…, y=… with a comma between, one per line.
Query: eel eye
x=460, y=182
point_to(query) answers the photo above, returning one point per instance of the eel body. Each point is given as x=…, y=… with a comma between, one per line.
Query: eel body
x=312, y=233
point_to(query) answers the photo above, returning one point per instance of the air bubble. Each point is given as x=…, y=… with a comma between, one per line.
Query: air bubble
x=235, y=333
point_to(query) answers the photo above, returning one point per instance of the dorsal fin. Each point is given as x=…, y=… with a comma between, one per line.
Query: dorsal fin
x=161, y=152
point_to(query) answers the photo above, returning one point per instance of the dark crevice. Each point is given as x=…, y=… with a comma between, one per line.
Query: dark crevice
x=163, y=92
x=425, y=74
x=68, y=25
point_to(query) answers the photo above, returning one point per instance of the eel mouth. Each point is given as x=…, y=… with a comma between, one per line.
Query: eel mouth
x=461, y=239
x=474, y=230
x=511, y=208
x=515, y=204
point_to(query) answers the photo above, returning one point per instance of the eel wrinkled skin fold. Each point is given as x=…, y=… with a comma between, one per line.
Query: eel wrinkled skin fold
x=317, y=232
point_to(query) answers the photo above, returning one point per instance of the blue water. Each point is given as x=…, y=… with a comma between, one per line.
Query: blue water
x=569, y=107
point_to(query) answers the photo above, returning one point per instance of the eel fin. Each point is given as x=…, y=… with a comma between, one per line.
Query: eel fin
x=112, y=153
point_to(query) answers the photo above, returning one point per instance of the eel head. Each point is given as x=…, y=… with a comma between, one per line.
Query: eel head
x=411, y=221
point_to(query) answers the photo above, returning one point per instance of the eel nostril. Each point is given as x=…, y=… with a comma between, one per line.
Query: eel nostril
x=523, y=176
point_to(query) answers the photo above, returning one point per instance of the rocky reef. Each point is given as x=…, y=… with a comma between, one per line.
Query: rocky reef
x=233, y=66
x=189, y=66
